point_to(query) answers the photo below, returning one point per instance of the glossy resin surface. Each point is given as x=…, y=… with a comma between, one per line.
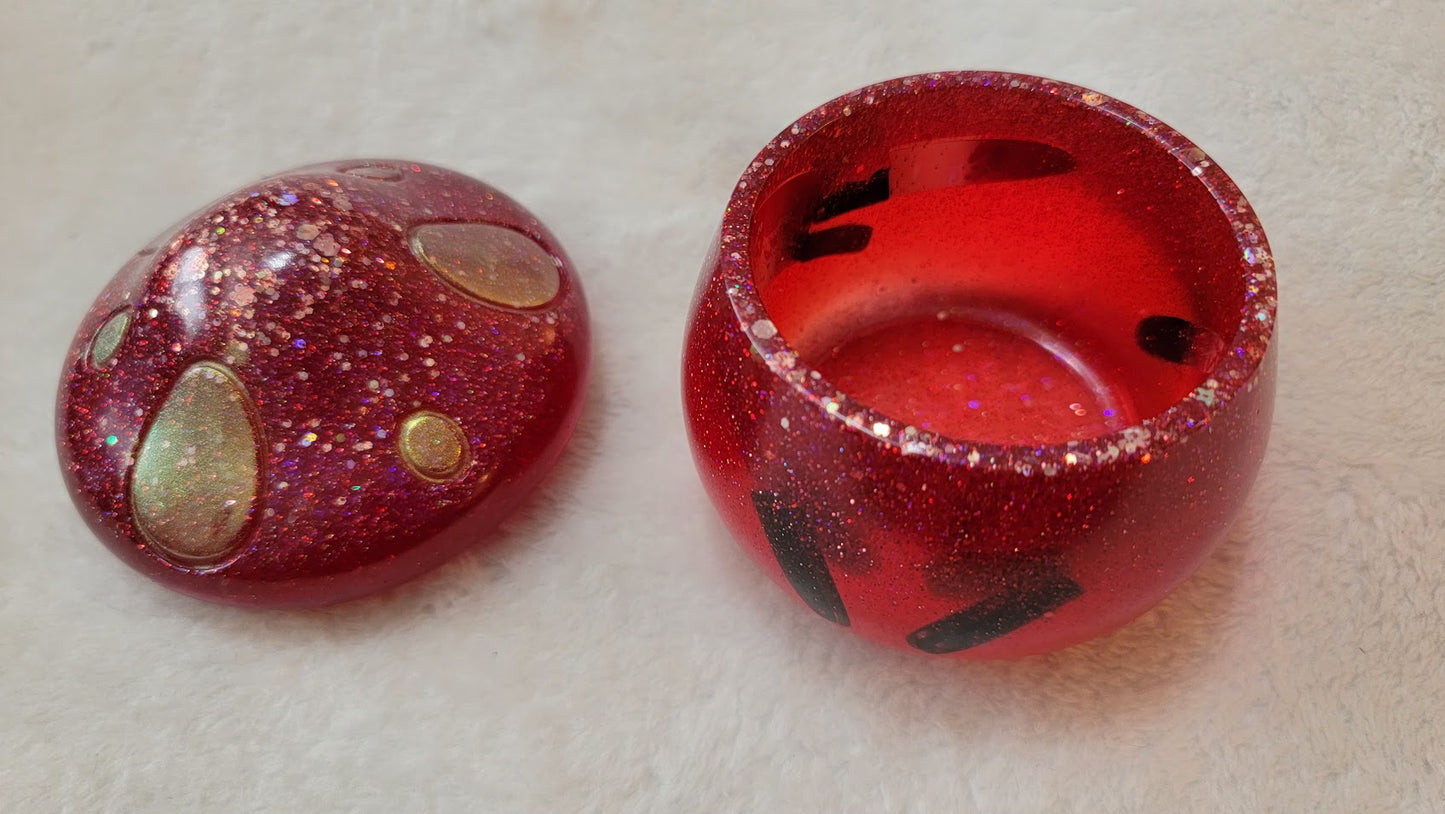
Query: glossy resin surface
x=323, y=384
x=981, y=362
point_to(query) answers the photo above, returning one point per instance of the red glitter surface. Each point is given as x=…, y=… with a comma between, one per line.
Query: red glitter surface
x=304, y=285
x=980, y=363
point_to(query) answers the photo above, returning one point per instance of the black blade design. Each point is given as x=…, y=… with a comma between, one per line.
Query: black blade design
x=1015, y=160
x=944, y=163
x=856, y=195
x=1004, y=612
x=837, y=240
x=1167, y=338
x=792, y=539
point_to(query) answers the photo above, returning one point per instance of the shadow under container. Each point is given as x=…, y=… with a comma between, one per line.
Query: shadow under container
x=980, y=363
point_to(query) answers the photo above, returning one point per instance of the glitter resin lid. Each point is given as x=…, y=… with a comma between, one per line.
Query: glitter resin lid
x=981, y=363
x=323, y=384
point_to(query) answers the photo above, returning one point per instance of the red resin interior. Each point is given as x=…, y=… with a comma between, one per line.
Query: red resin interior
x=998, y=297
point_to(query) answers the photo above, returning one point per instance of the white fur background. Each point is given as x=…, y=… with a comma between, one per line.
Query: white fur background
x=611, y=650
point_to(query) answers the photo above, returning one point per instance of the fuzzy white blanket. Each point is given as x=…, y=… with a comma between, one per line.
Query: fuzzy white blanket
x=612, y=650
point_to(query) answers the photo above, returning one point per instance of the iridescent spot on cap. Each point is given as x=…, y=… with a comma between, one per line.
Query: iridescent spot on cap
x=493, y=264
x=432, y=446
x=374, y=173
x=107, y=340
x=196, y=476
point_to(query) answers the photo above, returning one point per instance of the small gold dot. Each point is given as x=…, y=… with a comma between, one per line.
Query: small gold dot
x=432, y=446
x=107, y=340
x=491, y=263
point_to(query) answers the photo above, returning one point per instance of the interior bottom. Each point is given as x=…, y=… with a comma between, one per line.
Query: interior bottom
x=986, y=375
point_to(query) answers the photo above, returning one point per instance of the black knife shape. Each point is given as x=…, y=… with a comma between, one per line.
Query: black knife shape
x=990, y=618
x=796, y=550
